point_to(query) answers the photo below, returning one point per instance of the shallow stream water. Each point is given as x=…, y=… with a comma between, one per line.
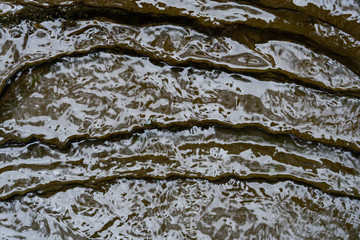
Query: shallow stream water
x=179, y=119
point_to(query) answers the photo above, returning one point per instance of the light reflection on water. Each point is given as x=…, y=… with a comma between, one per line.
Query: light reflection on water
x=169, y=119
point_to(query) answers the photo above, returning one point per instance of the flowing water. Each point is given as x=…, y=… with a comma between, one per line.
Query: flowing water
x=180, y=119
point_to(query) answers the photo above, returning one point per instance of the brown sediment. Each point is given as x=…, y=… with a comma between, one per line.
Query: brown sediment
x=205, y=119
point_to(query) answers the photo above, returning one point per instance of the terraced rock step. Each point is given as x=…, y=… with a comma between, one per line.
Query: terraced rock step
x=178, y=119
x=31, y=43
x=101, y=94
x=329, y=26
x=183, y=208
x=210, y=153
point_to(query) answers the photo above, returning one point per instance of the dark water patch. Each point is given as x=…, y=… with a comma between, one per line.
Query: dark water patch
x=78, y=11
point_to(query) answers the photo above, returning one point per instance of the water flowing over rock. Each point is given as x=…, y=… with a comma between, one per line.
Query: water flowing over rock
x=206, y=119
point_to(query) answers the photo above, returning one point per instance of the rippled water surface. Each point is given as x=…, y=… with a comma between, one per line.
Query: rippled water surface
x=164, y=119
